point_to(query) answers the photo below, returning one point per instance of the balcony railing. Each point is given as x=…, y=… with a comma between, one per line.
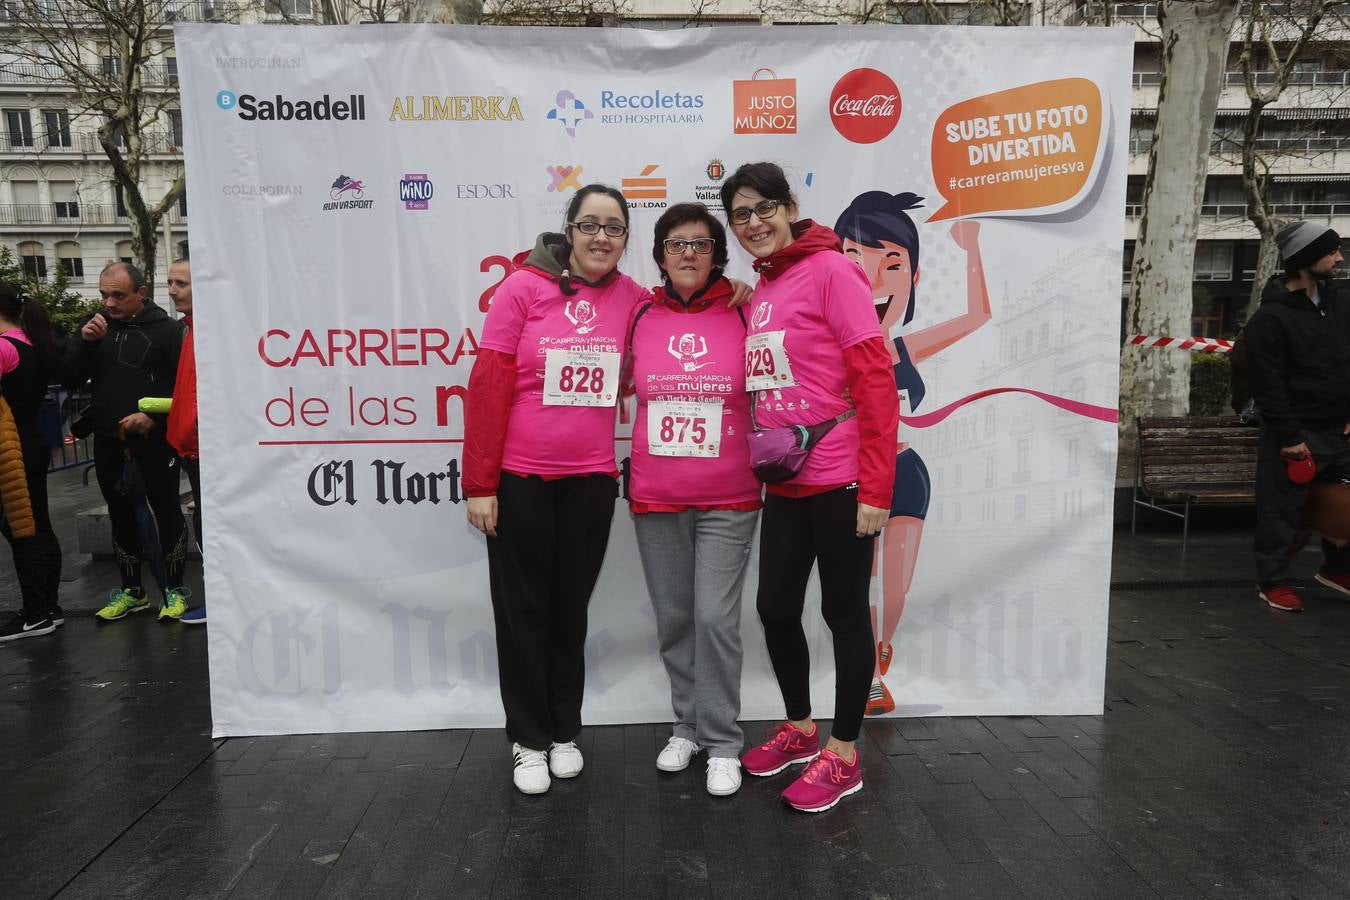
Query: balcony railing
x=85, y=214
x=57, y=12
x=158, y=142
x=1139, y=146
x=1324, y=209
x=53, y=75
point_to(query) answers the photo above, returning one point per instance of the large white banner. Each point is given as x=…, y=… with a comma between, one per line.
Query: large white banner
x=357, y=193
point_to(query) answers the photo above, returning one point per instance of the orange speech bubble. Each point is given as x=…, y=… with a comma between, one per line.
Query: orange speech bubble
x=1024, y=149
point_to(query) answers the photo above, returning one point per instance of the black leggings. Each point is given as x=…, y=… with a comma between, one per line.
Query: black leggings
x=542, y=567
x=159, y=467
x=794, y=535
x=37, y=559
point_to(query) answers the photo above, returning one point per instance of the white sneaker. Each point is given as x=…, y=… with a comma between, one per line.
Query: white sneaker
x=564, y=760
x=724, y=776
x=531, y=774
x=675, y=756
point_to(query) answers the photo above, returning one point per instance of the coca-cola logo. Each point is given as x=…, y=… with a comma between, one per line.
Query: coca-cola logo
x=865, y=106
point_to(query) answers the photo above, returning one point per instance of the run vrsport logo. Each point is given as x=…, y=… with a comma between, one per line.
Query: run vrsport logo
x=283, y=109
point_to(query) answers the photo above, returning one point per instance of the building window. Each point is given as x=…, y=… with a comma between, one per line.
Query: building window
x=121, y=201
x=293, y=9
x=1023, y=472
x=34, y=262
x=1073, y=466
x=124, y=252
x=112, y=66
x=1214, y=261
x=56, y=122
x=176, y=127
x=67, y=210
x=18, y=128
x=989, y=470
x=69, y=262
x=171, y=68
x=182, y=203
x=183, y=250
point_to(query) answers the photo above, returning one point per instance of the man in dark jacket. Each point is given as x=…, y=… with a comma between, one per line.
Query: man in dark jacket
x=1299, y=360
x=129, y=350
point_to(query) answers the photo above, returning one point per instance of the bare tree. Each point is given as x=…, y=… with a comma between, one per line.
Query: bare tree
x=1263, y=87
x=105, y=51
x=1195, y=39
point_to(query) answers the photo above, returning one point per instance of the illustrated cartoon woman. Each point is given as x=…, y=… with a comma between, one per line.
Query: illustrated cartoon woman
x=689, y=351
x=878, y=233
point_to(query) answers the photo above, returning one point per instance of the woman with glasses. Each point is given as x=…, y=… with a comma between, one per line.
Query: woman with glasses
x=813, y=342
x=539, y=468
x=693, y=497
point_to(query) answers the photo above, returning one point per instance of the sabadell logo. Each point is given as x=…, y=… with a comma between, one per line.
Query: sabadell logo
x=865, y=106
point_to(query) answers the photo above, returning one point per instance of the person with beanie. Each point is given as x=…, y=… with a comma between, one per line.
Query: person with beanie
x=1298, y=345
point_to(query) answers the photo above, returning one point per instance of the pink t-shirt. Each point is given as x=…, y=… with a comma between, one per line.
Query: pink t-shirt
x=820, y=306
x=9, y=357
x=687, y=366
x=530, y=316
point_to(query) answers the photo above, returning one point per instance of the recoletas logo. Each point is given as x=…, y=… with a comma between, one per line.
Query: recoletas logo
x=278, y=108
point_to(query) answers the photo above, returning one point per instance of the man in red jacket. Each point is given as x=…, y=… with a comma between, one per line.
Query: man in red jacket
x=182, y=429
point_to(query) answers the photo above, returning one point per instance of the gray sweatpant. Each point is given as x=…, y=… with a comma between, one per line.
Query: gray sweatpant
x=695, y=564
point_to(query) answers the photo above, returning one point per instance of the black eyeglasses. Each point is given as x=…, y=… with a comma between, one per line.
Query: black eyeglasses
x=595, y=228
x=676, y=247
x=765, y=209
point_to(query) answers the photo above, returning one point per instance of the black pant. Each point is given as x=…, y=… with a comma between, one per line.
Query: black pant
x=794, y=535
x=193, y=468
x=542, y=567
x=1279, y=502
x=37, y=559
x=159, y=468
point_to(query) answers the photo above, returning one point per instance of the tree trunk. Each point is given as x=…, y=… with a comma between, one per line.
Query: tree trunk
x=454, y=12
x=1156, y=382
x=1268, y=257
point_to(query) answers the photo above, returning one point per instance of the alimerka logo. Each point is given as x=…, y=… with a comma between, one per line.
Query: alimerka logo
x=466, y=108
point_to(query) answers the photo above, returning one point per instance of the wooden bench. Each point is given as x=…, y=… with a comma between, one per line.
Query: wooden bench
x=1189, y=461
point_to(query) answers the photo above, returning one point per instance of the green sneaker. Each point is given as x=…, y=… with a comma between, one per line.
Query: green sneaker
x=121, y=602
x=175, y=603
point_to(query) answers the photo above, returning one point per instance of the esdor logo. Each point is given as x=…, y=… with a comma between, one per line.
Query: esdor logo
x=865, y=106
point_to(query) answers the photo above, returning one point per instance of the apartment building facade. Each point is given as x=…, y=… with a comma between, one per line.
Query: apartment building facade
x=60, y=208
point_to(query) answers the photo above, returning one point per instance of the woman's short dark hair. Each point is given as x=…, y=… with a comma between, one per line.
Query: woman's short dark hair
x=876, y=216
x=682, y=214
x=766, y=178
x=575, y=205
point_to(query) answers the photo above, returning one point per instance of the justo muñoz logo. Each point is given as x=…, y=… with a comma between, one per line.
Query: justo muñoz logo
x=865, y=106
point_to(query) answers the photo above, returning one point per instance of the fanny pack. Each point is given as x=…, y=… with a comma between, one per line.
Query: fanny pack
x=778, y=454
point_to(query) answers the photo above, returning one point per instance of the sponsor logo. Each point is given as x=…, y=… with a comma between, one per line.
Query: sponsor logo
x=656, y=107
x=466, y=108
x=415, y=191
x=258, y=62
x=570, y=111
x=262, y=190
x=484, y=192
x=564, y=177
x=347, y=193
x=391, y=481
x=646, y=190
x=764, y=105
x=762, y=314
x=283, y=109
x=716, y=171
x=865, y=106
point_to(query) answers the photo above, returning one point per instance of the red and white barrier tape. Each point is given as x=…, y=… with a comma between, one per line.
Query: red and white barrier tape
x=1194, y=344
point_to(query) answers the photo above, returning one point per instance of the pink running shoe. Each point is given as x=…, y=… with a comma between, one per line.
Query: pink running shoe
x=786, y=746
x=824, y=783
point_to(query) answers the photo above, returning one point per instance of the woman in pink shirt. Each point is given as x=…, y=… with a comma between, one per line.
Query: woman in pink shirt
x=694, y=499
x=813, y=341
x=539, y=468
x=27, y=363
